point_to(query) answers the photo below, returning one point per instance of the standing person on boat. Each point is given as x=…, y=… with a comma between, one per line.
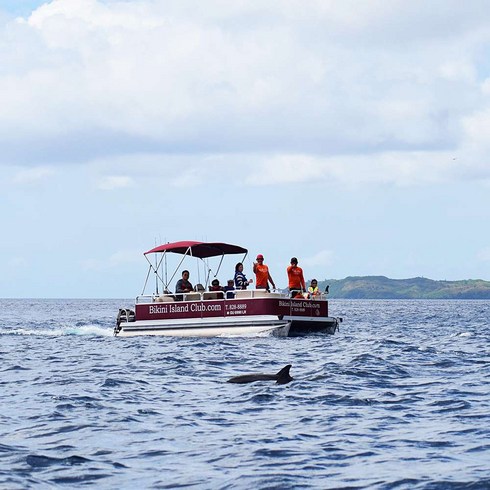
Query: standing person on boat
x=241, y=281
x=262, y=275
x=296, y=281
x=183, y=285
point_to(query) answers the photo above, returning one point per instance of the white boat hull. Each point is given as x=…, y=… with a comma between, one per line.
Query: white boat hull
x=206, y=327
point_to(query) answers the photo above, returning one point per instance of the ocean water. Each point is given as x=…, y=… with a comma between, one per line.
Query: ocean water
x=399, y=398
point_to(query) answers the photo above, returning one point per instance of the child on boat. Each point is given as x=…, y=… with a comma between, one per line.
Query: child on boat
x=229, y=288
x=313, y=289
x=215, y=286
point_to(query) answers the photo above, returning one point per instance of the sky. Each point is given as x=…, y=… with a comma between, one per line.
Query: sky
x=352, y=135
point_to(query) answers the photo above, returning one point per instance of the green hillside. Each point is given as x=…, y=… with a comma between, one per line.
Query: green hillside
x=380, y=287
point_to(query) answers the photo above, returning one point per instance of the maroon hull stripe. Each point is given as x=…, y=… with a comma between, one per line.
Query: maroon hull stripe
x=231, y=308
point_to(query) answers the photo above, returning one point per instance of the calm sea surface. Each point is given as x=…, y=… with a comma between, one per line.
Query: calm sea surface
x=399, y=398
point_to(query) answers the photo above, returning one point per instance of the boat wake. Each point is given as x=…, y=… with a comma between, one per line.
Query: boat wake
x=84, y=330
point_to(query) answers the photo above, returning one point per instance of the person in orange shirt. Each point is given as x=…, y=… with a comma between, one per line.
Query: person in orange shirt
x=262, y=276
x=296, y=281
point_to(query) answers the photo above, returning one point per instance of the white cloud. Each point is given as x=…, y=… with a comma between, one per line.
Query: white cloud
x=282, y=84
x=112, y=182
x=288, y=169
x=122, y=257
x=117, y=259
x=320, y=259
x=187, y=178
x=394, y=168
x=32, y=175
x=256, y=170
x=18, y=263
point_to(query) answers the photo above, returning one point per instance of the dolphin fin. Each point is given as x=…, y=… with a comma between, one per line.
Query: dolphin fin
x=283, y=375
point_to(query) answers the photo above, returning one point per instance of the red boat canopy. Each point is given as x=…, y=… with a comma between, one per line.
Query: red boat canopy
x=202, y=250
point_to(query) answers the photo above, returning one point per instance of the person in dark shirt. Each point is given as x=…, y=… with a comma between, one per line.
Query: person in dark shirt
x=241, y=281
x=229, y=288
x=183, y=286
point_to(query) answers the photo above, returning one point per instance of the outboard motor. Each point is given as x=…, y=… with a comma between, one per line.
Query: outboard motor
x=124, y=315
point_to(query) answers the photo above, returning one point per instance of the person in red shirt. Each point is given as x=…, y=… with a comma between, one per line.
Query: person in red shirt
x=262, y=276
x=215, y=286
x=296, y=281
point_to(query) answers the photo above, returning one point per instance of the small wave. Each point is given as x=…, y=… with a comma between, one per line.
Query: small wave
x=7, y=449
x=274, y=453
x=427, y=348
x=451, y=405
x=16, y=368
x=111, y=382
x=262, y=398
x=37, y=461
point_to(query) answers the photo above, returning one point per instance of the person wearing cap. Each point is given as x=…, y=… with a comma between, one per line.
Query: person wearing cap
x=262, y=275
x=296, y=281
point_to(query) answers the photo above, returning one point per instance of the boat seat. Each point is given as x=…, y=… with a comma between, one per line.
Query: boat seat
x=165, y=299
x=240, y=294
x=257, y=293
x=213, y=295
x=275, y=295
x=260, y=293
x=192, y=297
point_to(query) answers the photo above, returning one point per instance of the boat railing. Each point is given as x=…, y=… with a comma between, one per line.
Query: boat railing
x=258, y=293
x=218, y=295
x=192, y=296
x=210, y=296
x=146, y=298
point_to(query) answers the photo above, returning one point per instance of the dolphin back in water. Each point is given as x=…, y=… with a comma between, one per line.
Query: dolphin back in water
x=281, y=378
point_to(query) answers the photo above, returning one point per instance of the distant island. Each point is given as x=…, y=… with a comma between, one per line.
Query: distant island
x=381, y=287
